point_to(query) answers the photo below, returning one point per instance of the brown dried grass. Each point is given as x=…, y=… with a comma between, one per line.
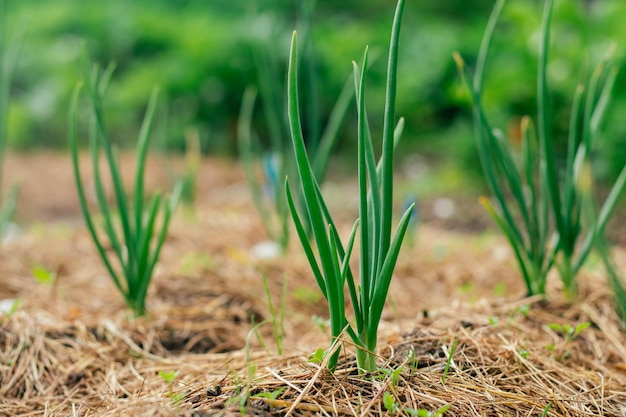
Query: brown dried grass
x=72, y=350
x=56, y=367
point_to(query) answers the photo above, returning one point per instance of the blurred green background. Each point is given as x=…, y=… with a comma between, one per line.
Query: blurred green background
x=199, y=51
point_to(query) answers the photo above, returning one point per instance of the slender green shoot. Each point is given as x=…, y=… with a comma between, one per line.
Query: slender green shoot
x=9, y=54
x=536, y=203
x=277, y=317
x=449, y=361
x=411, y=234
x=243, y=396
x=193, y=159
x=7, y=209
x=616, y=282
x=132, y=227
x=330, y=264
x=277, y=162
x=268, y=201
x=602, y=246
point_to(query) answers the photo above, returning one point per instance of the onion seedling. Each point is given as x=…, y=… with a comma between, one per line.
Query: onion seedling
x=542, y=219
x=602, y=246
x=193, y=160
x=278, y=162
x=379, y=252
x=615, y=280
x=131, y=226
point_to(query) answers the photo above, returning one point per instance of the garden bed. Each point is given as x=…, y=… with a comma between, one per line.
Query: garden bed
x=71, y=347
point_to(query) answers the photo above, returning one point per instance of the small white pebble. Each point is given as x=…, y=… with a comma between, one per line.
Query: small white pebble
x=12, y=233
x=6, y=305
x=444, y=208
x=265, y=250
x=500, y=253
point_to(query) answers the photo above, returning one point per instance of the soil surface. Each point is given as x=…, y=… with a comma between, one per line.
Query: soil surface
x=72, y=349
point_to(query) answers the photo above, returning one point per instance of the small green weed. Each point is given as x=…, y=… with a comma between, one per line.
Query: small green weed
x=449, y=361
x=242, y=396
x=392, y=375
x=195, y=262
x=306, y=295
x=168, y=376
x=466, y=288
x=523, y=310
x=568, y=331
x=271, y=396
x=44, y=275
x=500, y=289
x=390, y=403
x=317, y=356
x=426, y=413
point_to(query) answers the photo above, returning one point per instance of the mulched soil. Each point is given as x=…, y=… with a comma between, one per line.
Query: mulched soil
x=71, y=348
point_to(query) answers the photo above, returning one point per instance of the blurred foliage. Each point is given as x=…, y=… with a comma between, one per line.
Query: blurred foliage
x=200, y=53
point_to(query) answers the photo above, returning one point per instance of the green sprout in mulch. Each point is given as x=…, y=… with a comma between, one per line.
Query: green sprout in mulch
x=9, y=54
x=131, y=226
x=278, y=162
x=379, y=251
x=537, y=204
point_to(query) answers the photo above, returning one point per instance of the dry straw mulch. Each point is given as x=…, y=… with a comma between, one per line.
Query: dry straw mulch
x=508, y=362
x=71, y=350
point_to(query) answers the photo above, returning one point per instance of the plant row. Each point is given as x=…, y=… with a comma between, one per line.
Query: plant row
x=546, y=210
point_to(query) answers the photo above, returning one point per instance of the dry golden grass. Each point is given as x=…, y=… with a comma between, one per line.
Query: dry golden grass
x=72, y=350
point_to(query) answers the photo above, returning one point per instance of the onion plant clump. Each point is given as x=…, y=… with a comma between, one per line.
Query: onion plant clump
x=379, y=248
x=9, y=53
x=135, y=233
x=536, y=203
x=277, y=161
